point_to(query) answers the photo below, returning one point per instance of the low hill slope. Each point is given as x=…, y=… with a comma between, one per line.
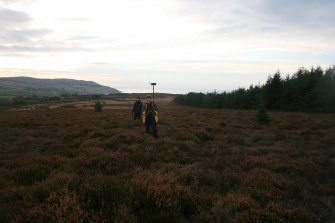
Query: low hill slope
x=25, y=86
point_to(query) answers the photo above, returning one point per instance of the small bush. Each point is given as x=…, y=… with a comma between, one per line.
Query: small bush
x=262, y=116
x=98, y=106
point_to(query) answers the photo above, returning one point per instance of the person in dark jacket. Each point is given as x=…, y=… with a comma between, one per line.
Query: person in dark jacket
x=137, y=109
x=149, y=111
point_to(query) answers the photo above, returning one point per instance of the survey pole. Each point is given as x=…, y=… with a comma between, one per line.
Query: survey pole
x=153, y=92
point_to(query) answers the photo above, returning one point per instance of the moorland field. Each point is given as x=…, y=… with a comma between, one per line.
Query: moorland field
x=72, y=164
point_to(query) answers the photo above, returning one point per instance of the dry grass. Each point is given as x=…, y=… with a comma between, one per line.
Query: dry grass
x=76, y=165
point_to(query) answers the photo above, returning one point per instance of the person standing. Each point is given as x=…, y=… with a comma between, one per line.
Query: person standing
x=137, y=109
x=150, y=110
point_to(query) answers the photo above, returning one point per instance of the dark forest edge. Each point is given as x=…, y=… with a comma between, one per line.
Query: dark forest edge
x=306, y=90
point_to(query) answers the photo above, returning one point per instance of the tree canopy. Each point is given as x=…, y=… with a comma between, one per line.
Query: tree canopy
x=305, y=90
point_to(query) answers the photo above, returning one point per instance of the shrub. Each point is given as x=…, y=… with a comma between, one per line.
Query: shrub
x=98, y=106
x=262, y=116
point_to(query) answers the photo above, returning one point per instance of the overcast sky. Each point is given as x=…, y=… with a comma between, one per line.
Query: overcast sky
x=183, y=45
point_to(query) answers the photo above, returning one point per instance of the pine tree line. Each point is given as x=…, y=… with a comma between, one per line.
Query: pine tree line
x=305, y=90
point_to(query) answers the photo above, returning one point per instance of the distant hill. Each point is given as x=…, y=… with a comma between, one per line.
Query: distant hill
x=25, y=86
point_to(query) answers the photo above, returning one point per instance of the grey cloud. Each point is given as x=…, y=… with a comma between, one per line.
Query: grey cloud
x=299, y=12
x=22, y=35
x=99, y=63
x=78, y=19
x=264, y=15
x=7, y=2
x=39, y=49
x=218, y=10
x=83, y=37
x=227, y=30
x=9, y=17
x=16, y=36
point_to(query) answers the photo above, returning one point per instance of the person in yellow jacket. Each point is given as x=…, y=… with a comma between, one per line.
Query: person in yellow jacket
x=150, y=110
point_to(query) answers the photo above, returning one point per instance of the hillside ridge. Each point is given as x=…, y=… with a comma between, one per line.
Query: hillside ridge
x=23, y=86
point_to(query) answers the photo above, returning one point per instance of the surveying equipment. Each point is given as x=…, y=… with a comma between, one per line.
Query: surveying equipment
x=153, y=92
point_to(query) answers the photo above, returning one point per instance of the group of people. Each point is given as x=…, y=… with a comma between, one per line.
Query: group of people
x=149, y=110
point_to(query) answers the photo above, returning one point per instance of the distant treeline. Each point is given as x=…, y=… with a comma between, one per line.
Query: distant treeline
x=306, y=90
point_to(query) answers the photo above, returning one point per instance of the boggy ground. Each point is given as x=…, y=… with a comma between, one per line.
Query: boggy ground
x=72, y=165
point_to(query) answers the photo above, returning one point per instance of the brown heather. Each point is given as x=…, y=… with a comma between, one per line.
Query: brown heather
x=78, y=165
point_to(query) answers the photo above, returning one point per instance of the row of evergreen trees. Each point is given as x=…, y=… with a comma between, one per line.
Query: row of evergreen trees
x=306, y=90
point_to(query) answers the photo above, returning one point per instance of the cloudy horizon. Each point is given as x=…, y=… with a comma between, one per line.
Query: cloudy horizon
x=183, y=45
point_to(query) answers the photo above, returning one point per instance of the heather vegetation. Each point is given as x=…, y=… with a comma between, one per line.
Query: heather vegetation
x=40, y=101
x=208, y=165
x=306, y=90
